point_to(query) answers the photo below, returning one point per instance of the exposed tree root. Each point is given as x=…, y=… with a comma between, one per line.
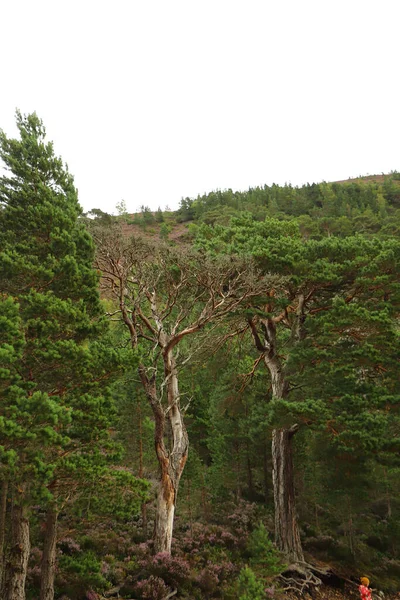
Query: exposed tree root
x=302, y=577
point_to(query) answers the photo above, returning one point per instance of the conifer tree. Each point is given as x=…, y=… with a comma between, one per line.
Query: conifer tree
x=359, y=273
x=53, y=414
x=159, y=217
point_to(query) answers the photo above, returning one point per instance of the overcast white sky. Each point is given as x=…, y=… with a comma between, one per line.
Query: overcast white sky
x=154, y=100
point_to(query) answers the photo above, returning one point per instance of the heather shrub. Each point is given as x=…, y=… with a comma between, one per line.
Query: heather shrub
x=202, y=536
x=153, y=588
x=208, y=581
x=213, y=576
x=224, y=570
x=68, y=546
x=241, y=517
x=142, y=550
x=172, y=569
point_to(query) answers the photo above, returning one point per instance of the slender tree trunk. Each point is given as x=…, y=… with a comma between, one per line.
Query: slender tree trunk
x=287, y=534
x=165, y=513
x=280, y=386
x=171, y=457
x=48, y=567
x=172, y=464
x=17, y=563
x=3, y=514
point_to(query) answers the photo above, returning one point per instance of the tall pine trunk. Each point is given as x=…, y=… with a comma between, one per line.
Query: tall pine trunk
x=48, y=566
x=287, y=536
x=17, y=563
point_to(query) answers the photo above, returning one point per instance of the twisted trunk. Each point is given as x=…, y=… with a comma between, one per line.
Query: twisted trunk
x=171, y=453
x=17, y=563
x=48, y=567
x=172, y=463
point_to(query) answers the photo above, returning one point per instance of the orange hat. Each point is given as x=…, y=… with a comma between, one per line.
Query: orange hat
x=364, y=581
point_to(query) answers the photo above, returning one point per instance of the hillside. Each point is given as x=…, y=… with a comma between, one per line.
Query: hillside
x=368, y=205
x=212, y=417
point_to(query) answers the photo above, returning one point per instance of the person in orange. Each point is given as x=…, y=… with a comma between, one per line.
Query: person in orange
x=365, y=592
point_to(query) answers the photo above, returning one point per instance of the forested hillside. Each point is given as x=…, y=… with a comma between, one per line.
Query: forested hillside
x=201, y=403
x=358, y=206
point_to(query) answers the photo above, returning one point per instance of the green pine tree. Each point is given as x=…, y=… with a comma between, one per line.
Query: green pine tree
x=250, y=587
x=54, y=412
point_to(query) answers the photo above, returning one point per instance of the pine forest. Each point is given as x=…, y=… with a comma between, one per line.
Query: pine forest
x=200, y=403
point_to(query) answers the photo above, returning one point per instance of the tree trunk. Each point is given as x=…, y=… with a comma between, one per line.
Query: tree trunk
x=172, y=463
x=17, y=563
x=48, y=567
x=287, y=534
x=165, y=512
x=279, y=384
x=171, y=456
x=3, y=511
